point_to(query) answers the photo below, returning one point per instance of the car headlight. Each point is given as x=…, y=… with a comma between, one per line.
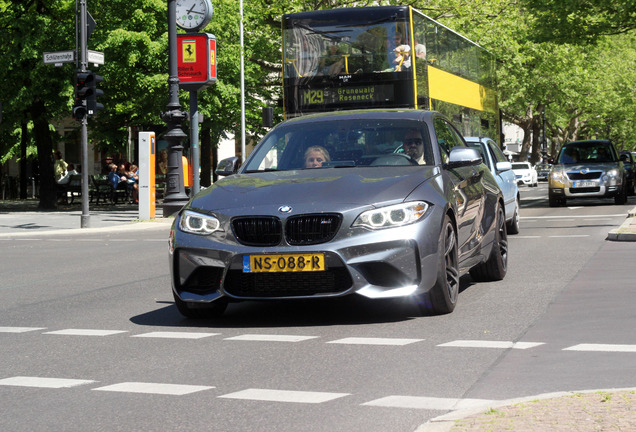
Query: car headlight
x=197, y=223
x=613, y=177
x=392, y=216
x=613, y=173
x=558, y=176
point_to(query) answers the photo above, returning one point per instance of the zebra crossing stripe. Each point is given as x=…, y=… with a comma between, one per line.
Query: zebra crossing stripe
x=20, y=329
x=271, y=338
x=85, y=332
x=428, y=403
x=54, y=383
x=176, y=335
x=284, y=396
x=375, y=341
x=154, y=388
x=490, y=344
x=602, y=347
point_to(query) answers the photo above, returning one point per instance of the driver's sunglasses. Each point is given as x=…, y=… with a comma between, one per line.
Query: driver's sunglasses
x=414, y=141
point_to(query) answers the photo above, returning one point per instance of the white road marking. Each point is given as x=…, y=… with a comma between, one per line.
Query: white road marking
x=20, y=329
x=154, y=388
x=176, y=335
x=429, y=403
x=602, y=348
x=576, y=216
x=525, y=237
x=375, y=341
x=24, y=381
x=284, y=396
x=562, y=220
x=85, y=332
x=490, y=344
x=271, y=338
x=569, y=236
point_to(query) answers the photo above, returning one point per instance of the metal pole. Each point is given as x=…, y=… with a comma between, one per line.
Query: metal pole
x=175, y=197
x=242, y=91
x=86, y=217
x=194, y=142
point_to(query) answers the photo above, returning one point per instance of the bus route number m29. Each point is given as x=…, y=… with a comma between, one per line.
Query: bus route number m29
x=313, y=97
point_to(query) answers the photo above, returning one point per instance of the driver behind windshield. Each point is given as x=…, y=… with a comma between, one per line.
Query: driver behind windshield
x=413, y=145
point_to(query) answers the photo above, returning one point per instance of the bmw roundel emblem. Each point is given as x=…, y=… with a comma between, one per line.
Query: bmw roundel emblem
x=285, y=209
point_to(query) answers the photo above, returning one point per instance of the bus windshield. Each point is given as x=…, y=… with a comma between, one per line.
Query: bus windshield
x=330, y=48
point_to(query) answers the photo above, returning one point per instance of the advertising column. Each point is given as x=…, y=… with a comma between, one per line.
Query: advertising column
x=147, y=191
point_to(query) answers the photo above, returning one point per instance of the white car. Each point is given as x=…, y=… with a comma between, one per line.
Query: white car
x=495, y=160
x=525, y=173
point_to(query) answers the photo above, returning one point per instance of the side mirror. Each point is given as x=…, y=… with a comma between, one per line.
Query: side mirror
x=463, y=156
x=228, y=166
x=503, y=166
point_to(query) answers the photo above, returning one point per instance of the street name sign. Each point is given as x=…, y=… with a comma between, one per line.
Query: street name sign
x=59, y=57
x=96, y=57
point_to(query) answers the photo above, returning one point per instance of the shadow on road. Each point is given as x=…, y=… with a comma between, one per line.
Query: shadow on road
x=350, y=310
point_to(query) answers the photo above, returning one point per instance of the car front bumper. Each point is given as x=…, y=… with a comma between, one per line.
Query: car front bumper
x=394, y=262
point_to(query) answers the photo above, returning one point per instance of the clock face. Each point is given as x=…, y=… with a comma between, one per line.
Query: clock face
x=193, y=14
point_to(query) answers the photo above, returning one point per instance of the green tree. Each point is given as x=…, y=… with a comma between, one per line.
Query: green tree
x=570, y=21
x=34, y=94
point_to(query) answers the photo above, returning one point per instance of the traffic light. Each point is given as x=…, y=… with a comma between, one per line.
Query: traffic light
x=91, y=101
x=86, y=94
x=81, y=93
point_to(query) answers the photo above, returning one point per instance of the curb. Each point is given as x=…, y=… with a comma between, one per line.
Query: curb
x=627, y=230
x=446, y=422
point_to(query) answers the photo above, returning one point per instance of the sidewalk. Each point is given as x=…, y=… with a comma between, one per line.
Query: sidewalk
x=22, y=217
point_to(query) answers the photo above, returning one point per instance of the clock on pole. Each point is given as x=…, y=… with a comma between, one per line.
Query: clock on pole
x=193, y=15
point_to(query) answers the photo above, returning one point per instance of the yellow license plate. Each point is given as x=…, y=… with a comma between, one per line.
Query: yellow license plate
x=284, y=263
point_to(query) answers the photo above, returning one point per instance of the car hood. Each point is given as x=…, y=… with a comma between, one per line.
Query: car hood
x=324, y=189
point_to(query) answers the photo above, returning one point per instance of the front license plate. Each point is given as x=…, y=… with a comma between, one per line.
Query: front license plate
x=284, y=263
x=582, y=183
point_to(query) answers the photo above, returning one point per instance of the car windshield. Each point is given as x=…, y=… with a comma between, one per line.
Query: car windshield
x=479, y=148
x=520, y=166
x=587, y=152
x=343, y=143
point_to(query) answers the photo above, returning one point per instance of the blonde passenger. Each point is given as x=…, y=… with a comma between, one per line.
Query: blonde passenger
x=315, y=156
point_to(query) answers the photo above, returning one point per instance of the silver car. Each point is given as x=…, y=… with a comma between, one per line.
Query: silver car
x=501, y=168
x=337, y=204
x=587, y=169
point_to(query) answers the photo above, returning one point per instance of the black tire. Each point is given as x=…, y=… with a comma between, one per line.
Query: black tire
x=443, y=296
x=621, y=198
x=513, y=225
x=199, y=310
x=556, y=201
x=496, y=267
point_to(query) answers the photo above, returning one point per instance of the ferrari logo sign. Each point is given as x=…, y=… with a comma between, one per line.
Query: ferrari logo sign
x=189, y=48
x=196, y=60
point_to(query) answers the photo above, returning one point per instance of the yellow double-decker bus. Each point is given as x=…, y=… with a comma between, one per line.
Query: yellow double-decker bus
x=387, y=57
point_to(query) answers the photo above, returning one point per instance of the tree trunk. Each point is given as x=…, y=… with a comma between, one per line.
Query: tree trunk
x=44, y=141
x=23, y=160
